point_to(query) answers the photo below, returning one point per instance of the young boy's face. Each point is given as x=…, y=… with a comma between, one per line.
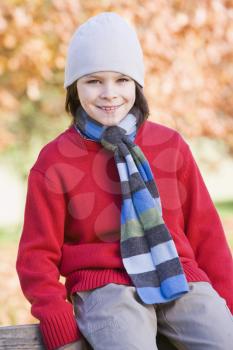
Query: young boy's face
x=100, y=90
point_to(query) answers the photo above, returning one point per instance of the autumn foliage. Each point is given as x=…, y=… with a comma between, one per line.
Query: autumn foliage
x=188, y=50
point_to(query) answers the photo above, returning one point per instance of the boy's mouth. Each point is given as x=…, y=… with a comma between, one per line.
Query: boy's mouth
x=109, y=108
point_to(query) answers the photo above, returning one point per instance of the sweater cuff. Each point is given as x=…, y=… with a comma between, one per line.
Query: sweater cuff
x=58, y=330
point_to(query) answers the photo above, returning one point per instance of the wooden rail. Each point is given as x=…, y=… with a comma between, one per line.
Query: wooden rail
x=27, y=337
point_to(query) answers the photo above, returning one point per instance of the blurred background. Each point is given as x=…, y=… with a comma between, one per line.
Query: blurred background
x=188, y=50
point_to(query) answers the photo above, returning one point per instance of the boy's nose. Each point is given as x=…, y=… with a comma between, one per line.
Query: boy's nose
x=108, y=92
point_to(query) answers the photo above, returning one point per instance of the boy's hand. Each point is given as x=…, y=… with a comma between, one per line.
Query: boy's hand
x=78, y=345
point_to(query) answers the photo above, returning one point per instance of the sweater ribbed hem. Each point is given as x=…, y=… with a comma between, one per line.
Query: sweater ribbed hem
x=93, y=278
x=194, y=274
x=89, y=279
x=59, y=330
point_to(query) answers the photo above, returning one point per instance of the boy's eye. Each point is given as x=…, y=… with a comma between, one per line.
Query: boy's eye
x=93, y=81
x=123, y=80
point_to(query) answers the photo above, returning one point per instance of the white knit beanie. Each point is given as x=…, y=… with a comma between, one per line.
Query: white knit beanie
x=104, y=43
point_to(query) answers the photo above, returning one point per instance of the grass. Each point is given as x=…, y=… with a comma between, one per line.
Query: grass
x=230, y=241
x=10, y=234
x=225, y=209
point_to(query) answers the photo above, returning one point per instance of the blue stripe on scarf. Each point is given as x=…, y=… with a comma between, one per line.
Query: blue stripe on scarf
x=143, y=200
x=171, y=289
x=163, y=252
x=172, y=286
x=139, y=263
x=146, y=167
x=128, y=211
x=93, y=130
x=131, y=164
x=123, y=171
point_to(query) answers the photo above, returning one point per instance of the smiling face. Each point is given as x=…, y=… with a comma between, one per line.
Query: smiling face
x=107, y=97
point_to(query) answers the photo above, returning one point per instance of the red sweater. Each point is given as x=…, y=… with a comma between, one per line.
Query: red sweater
x=72, y=224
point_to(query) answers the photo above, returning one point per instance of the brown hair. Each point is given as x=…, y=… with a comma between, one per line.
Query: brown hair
x=140, y=105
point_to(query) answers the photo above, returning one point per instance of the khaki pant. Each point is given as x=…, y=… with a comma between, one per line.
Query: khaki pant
x=113, y=317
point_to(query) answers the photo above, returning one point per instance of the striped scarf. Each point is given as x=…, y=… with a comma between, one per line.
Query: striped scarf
x=148, y=252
